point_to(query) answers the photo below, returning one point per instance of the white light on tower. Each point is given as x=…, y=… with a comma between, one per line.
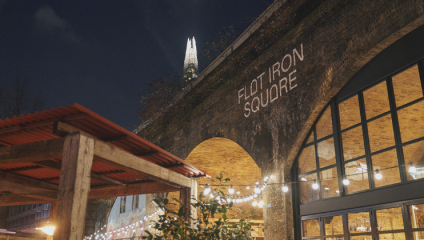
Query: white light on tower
x=231, y=190
x=207, y=190
x=315, y=185
x=285, y=188
x=378, y=175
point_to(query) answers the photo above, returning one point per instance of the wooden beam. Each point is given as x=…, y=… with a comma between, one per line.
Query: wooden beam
x=20, y=200
x=62, y=129
x=115, y=138
x=131, y=189
x=121, y=159
x=74, y=186
x=173, y=166
x=26, y=180
x=29, y=191
x=31, y=152
x=58, y=166
x=144, y=154
x=43, y=123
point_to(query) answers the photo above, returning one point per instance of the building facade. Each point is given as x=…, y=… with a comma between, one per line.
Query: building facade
x=327, y=97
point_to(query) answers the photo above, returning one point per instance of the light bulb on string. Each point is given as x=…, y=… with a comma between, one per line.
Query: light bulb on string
x=270, y=176
x=218, y=198
x=254, y=203
x=255, y=195
x=231, y=189
x=412, y=168
x=315, y=185
x=266, y=178
x=285, y=188
x=346, y=181
x=261, y=204
x=257, y=190
x=247, y=187
x=207, y=190
x=238, y=192
x=378, y=175
x=211, y=195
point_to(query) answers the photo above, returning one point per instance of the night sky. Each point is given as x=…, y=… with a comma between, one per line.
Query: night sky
x=100, y=54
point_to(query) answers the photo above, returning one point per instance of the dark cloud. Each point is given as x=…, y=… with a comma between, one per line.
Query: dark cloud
x=47, y=20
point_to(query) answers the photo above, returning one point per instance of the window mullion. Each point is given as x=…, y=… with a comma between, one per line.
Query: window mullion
x=396, y=130
x=317, y=163
x=366, y=140
x=338, y=145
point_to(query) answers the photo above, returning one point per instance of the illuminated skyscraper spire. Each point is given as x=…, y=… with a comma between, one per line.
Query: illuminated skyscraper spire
x=191, y=66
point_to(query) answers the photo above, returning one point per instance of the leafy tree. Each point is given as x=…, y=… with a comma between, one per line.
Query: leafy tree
x=17, y=99
x=159, y=94
x=176, y=225
x=223, y=39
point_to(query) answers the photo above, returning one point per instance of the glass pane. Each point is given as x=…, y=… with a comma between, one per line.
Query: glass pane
x=418, y=235
x=333, y=225
x=389, y=219
x=384, y=163
x=376, y=100
x=311, y=228
x=380, y=132
x=310, y=138
x=329, y=183
x=357, y=173
x=407, y=86
x=307, y=160
x=416, y=214
x=353, y=143
x=414, y=157
x=392, y=236
x=324, y=126
x=349, y=112
x=359, y=222
x=361, y=237
x=335, y=238
x=411, y=121
x=326, y=153
x=307, y=193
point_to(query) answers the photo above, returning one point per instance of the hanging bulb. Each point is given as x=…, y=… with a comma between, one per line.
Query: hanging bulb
x=257, y=190
x=261, y=204
x=207, y=190
x=254, y=203
x=255, y=195
x=218, y=198
x=211, y=195
x=346, y=181
x=231, y=190
x=228, y=200
x=378, y=175
x=238, y=192
x=285, y=188
x=315, y=185
x=247, y=187
x=412, y=168
x=270, y=176
x=266, y=178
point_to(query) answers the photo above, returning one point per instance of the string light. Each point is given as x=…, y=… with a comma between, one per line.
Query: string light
x=315, y=185
x=285, y=188
x=378, y=175
x=211, y=195
x=207, y=190
x=257, y=190
x=346, y=181
x=254, y=203
x=247, y=187
x=231, y=189
x=238, y=192
x=412, y=168
x=261, y=204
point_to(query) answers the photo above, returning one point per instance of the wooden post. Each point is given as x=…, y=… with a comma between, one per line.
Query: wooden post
x=186, y=198
x=74, y=186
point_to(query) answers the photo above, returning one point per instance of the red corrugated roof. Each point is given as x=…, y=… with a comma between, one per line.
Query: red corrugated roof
x=38, y=126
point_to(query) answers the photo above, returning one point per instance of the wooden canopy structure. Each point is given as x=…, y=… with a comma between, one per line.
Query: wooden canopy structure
x=69, y=155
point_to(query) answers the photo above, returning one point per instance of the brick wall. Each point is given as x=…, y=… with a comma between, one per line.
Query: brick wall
x=338, y=37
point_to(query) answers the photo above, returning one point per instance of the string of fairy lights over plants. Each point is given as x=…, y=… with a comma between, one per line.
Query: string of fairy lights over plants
x=256, y=195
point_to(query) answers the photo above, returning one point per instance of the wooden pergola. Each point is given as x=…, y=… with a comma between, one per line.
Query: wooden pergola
x=69, y=155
